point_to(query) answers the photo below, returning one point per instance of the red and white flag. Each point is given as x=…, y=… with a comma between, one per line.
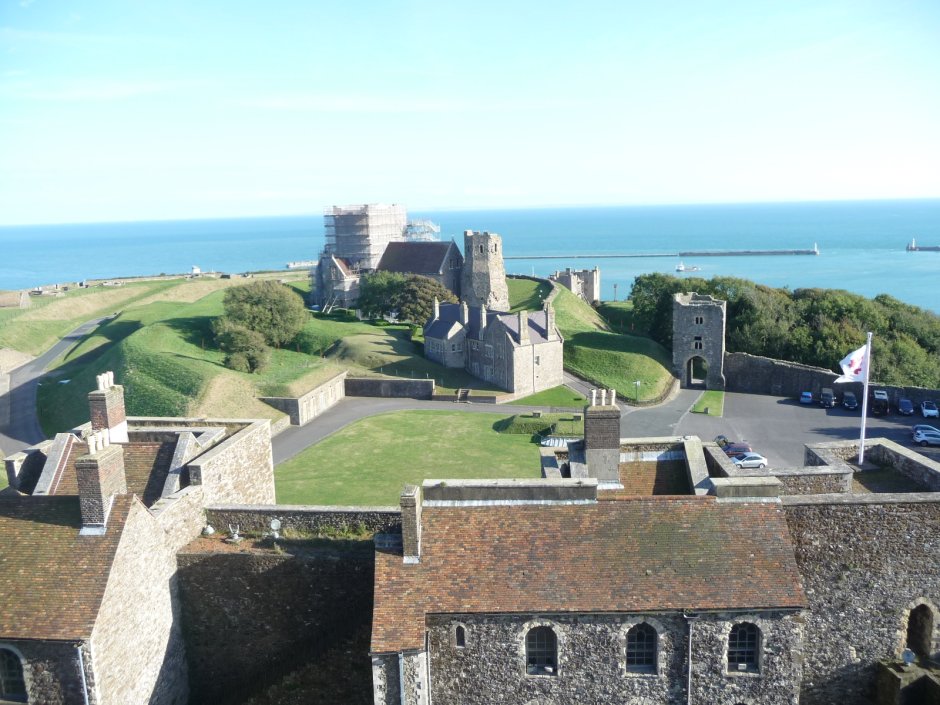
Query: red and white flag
x=853, y=366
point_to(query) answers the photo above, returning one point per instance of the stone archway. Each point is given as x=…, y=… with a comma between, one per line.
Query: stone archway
x=920, y=631
x=696, y=372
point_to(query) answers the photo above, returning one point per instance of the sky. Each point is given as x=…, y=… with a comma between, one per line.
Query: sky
x=139, y=110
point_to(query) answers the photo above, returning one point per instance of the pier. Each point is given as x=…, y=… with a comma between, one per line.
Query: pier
x=914, y=247
x=691, y=253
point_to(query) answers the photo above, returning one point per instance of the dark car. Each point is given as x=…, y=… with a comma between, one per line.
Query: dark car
x=731, y=448
x=849, y=401
x=905, y=407
x=827, y=399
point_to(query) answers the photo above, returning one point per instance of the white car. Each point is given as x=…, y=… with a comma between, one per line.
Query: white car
x=928, y=409
x=749, y=460
x=924, y=427
x=927, y=438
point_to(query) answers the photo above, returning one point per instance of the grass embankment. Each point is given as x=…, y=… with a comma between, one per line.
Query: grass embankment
x=369, y=461
x=613, y=360
x=537, y=426
x=556, y=396
x=711, y=402
x=526, y=294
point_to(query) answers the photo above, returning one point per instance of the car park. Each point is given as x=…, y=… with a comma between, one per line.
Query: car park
x=806, y=398
x=924, y=427
x=928, y=409
x=878, y=403
x=849, y=401
x=732, y=448
x=927, y=438
x=749, y=460
x=827, y=399
x=905, y=407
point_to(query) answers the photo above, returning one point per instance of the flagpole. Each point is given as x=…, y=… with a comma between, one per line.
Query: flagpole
x=861, y=445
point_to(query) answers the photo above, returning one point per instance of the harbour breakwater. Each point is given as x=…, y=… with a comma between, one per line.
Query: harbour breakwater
x=690, y=253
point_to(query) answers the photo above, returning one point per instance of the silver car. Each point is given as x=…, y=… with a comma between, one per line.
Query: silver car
x=927, y=438
x=749, y=460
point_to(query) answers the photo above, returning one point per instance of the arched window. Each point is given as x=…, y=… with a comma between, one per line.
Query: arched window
x=541, y=652
x=12, y=685
x=460, y=637
x=743, y=645
x=920, y=630
x=641, y=649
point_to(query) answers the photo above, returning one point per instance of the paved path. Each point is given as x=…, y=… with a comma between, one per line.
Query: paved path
x=19, y=425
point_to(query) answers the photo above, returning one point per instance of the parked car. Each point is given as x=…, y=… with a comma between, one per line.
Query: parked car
x=806, y=398
x=927, y=438
x=732, y=448
x=924, y=427
x=849, y=401
x=929, y=410
x=749, y=460
x=878, y=404
x=827, y=399
x=905, y=407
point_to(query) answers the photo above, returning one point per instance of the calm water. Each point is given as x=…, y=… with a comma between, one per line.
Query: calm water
x=861, y=244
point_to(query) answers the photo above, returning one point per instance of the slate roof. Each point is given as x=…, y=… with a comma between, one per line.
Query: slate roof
x=634, y=555
x=450, y=314
x=52, y=580
x=415, y=257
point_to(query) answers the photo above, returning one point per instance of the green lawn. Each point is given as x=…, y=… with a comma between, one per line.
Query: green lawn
x=368, y=462
x=713, y=400
x=542, y=425
x=525, y=294
x=556, y=396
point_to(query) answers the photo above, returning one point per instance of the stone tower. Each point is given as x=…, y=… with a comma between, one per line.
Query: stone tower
x=698, y=340
x=483, y=280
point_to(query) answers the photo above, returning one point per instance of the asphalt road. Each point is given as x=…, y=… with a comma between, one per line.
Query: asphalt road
x=19, y=426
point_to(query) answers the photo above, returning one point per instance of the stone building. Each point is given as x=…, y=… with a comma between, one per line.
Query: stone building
x=522, y=353
x=698, y=340
x=583, y=283
x=541, y=592
x=336, y=282
x=483, y=280
x=91, y=524
x=440, y=261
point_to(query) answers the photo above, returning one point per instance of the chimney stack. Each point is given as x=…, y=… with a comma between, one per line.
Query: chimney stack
x=602, y=438
x=523, y=327
x=106, y=408
x=411, y=523
x=437, y=309
x=482, y=320
x=100, y=477
x=549, y=321
x=464, y=313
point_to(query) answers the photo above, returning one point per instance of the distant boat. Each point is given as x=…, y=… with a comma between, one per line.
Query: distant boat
x=691, y=268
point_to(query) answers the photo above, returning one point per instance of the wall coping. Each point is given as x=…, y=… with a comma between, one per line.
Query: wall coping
x=543, y=490
x=301, y=508
x=883, y=498
x=313, y=390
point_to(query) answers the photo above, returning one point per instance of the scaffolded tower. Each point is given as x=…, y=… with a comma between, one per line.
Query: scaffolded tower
x=359, y=234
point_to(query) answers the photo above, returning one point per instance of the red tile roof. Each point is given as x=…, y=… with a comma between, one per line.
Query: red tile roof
x=633, y=555
x=52, y=580
x=146, y=466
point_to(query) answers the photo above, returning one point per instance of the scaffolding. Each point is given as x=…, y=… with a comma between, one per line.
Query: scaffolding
x=359, y=234
x=422, y=231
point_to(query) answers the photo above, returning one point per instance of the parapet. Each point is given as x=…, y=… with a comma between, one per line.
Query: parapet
x=444, y=493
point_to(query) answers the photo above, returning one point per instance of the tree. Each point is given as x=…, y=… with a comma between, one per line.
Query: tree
x=268, y=308
x=380, y=293
x=245, y=350
x=417, y=298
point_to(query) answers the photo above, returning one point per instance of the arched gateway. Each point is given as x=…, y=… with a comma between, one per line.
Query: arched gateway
x=698, y=340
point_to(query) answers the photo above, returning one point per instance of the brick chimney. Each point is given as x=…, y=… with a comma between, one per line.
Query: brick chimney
x=100, y=477
x=523, y=327
x=411, y=523
x=602, y=438
x=106, y=408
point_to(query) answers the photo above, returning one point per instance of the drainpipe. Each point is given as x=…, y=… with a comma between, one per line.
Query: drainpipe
x=427, y=661
x=401, y=677
x=690, y=618
x=81, y=671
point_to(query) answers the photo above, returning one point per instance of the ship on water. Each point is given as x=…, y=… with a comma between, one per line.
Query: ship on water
x=914, y=247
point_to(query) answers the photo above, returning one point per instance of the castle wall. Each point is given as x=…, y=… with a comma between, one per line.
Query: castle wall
x=866, y=560
x=389, y=388
x=139, y=656
x=592, y=660
x=251, y=618
x=238, y=470
x=51, y=671
x=304, y=409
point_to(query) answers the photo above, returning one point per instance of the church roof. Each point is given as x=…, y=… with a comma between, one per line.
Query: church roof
x=416, y=257
x=635, y=555
x=52, y=580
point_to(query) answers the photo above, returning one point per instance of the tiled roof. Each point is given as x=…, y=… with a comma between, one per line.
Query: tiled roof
x=450, y=314
x=415, y=257
x=633, y=555
x=51, y=579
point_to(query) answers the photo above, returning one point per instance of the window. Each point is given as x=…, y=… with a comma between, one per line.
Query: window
x=536, y=359
x=920, y=630
x=12, y=685
x=481, y=249
x=541, y=652
x=743, y=642
x=641, y=649
x=699, y=320
x=460, y=637
x=697, y=343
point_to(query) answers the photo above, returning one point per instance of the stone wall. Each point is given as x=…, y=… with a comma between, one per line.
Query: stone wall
x=238, y=470
x=138, y=650
x=592, y=665
x=917, y=467
x=304, y=409
x=698, y=330
x=305, y=519
x=51, y=671
x=813, y=481
x=251, y=618
x=866, y=561
x=389, y=388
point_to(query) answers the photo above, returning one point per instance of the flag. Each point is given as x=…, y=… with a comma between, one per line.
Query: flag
x=853, y=366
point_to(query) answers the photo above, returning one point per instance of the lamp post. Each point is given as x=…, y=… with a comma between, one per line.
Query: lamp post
x=615, y=292
x=638, y=383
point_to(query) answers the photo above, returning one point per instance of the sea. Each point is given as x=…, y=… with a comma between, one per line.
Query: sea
x=861, y=245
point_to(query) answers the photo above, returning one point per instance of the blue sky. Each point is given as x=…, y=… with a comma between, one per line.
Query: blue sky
x=133, y=110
